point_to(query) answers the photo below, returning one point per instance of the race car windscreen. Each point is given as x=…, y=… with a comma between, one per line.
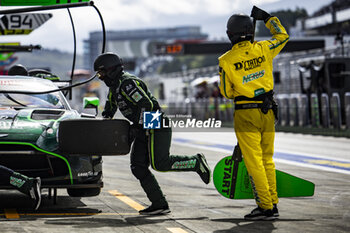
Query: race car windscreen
x=54, y=100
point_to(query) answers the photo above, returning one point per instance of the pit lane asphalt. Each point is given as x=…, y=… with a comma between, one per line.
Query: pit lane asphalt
x=195, y=207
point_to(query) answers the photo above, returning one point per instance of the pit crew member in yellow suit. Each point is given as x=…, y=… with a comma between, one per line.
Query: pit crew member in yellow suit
x=246, y=77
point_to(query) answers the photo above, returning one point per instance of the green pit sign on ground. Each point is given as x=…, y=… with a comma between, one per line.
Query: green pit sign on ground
x=37, y=2
x=240, y=188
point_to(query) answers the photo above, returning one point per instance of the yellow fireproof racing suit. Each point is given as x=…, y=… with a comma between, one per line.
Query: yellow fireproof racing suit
x=246, y=71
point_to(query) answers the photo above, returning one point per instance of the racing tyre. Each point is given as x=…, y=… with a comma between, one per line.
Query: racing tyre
x=94, y=137
x=86, y=192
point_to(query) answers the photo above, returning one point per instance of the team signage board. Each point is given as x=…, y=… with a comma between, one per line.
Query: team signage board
x=5, y=56
x=9, y=61
x=37, y=2
x=15, y=24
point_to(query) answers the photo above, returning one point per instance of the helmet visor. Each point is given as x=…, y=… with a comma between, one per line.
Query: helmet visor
x=104, y=72
x=110, y=75
x=101, y=74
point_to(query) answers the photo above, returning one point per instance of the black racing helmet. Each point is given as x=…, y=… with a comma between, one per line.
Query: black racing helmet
x=109, y=66
x=106, y=61
x=18, y=69
x=239, y=28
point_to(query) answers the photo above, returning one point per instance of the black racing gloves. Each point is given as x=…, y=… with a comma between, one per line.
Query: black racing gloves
x=259, y=14
x=107, y=114
x=109, y=110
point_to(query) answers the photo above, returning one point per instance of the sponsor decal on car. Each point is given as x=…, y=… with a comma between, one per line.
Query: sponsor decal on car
x=87, y=174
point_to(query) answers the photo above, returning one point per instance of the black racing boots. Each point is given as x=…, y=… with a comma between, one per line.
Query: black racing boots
x=260, y=214
x=155, y=210
x=203, y=169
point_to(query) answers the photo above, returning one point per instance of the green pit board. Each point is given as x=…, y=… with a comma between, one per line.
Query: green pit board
x=37, y=2
x=287, y=185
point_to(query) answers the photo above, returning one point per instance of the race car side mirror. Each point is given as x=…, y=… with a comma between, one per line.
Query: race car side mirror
x=91, y=103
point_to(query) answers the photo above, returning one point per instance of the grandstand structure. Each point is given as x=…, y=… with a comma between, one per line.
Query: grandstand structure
x=135, y=46
x=331, y=19
x=312, y=85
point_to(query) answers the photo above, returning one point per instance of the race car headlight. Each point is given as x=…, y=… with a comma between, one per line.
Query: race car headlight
x=49, y=131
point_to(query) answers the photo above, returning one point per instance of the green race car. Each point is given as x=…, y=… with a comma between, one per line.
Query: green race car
x=29, y=137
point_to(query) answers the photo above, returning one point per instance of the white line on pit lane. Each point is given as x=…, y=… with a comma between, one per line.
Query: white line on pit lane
x=228, y=152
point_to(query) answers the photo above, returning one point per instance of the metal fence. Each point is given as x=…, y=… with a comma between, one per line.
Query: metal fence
x=315, y=111
x=295, y=110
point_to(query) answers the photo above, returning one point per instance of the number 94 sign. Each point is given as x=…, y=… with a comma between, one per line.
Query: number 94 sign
x=22, y=23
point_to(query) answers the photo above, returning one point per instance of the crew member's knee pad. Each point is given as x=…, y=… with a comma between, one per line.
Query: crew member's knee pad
x=140, y=172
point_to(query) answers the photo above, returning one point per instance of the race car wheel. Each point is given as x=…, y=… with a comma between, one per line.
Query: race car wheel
x=94, y=137
x=86, y=192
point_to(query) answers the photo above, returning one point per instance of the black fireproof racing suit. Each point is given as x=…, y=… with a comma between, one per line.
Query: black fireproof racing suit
x=5, y=173
x=15, y=179
x=151, y=147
